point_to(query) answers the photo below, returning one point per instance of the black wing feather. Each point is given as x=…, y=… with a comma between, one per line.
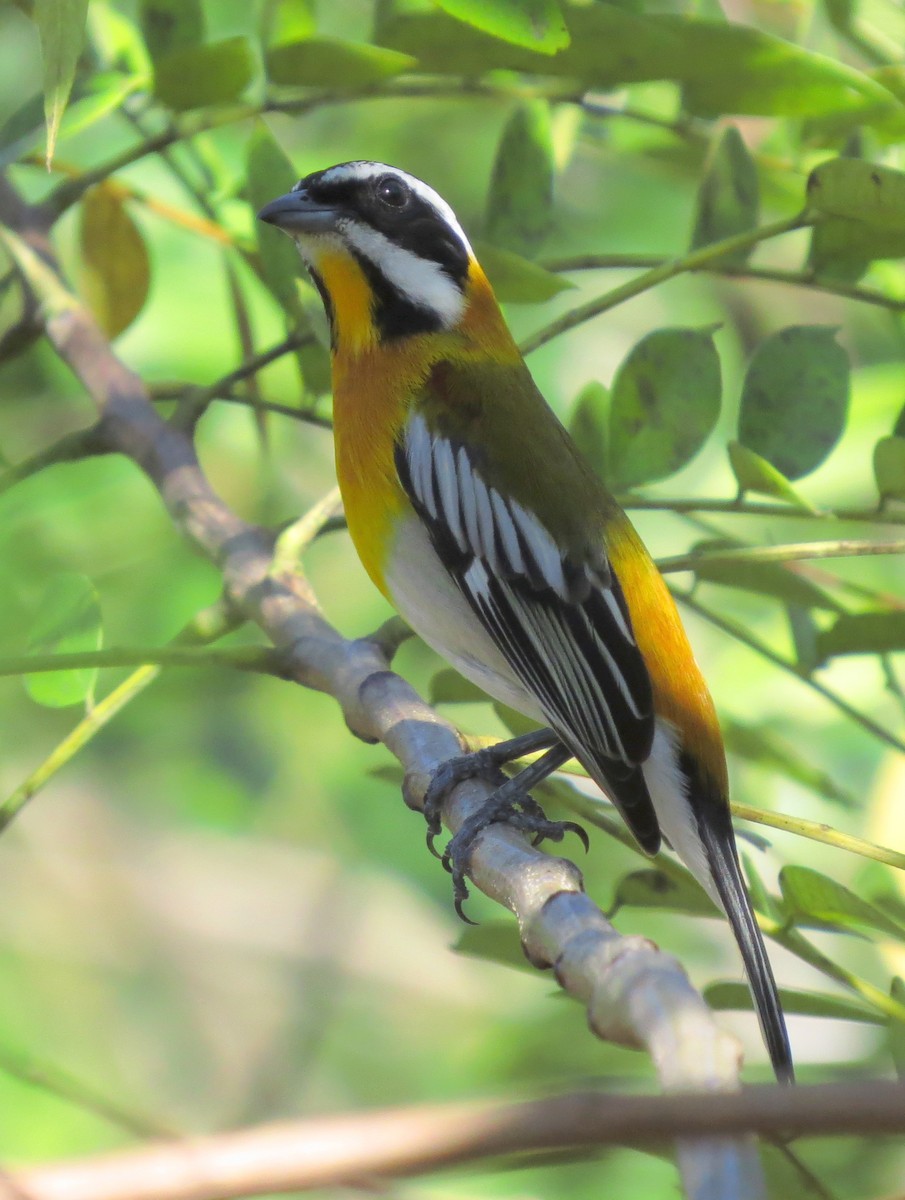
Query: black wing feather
x=562, y=626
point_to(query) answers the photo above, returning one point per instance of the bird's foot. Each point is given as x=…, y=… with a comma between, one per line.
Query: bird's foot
x=483, y=764
x=510, y=804
x=510, y=807
x=479, y=765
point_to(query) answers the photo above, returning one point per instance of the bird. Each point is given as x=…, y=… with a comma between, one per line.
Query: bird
x=477, y=517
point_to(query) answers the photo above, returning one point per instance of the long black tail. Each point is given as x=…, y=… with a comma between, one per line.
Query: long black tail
x=719, y=843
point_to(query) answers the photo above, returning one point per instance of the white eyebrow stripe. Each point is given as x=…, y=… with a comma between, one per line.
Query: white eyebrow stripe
x=419, y=280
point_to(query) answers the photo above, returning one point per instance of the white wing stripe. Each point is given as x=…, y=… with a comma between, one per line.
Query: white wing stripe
x=419, y=452
x=468, y=487
x=613, y=605
x=506, y=530
x=486, y=546
x=543, y=549
x=448, y=488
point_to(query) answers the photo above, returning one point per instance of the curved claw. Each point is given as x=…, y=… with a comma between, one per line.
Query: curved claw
x=580, y=832
x=430, y=837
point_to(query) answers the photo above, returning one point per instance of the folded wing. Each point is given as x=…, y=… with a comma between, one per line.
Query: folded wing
x=561, y=623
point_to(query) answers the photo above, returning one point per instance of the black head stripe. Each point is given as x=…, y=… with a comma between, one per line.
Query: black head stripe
x=394, y=314
x=327, y=301
x=417, y=226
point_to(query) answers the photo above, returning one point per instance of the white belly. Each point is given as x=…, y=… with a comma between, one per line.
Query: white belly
x=428, y=599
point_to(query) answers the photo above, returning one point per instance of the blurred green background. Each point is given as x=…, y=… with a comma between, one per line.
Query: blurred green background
x=220, y=912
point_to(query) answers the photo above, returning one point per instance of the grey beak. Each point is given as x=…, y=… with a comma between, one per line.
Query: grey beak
x=296, y=213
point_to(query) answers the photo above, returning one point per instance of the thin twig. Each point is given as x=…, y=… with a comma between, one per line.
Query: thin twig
x=765, y=651
x=748, y=508
x=649, y=262
x=263, y=659
x=791, y=552
x=694, y=260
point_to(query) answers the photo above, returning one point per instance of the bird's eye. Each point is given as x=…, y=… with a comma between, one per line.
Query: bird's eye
x=390, y=190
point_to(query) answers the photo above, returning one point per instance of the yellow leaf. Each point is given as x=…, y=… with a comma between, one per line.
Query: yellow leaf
x=116, y=271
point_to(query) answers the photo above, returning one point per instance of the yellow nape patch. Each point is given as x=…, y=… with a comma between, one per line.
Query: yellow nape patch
x=351, y=297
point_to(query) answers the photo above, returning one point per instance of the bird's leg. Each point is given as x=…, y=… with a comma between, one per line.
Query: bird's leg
x=510, y=803
x=480, y=764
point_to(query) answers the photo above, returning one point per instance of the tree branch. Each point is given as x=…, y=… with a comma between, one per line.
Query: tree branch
x=332, y=1151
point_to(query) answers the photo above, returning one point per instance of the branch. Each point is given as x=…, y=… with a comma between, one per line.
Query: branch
x=803, y=279
x=694, y=260
x=746, y=508
x=329, y=1152
x=792, y=552
x=241, y=658
x=634, y=994
x=754, y=643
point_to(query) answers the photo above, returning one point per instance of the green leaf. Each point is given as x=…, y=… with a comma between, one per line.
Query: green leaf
x=812, y=897
x=804, y=631
x=761, y=898
x=723, y=67
x=652, y=889
x=68, y=621
x=768, y=579
x=515, y=280
x=90, y=100
x=333, y=63
x=449, y=687
x=755, y=474
x=196, y=76
x=728, y=199
x=269, y=174
x=737, y=996
x=864, y=206
x=535, y=24
x=738, y=69
x=889, y=468
x=859, y=190
x=517, y=723
x=493, y=941
x=520, y=201
x=863, y=633
x=116, y=270
x=170, y=25
x=119, y=42
x=764, y=747
x=795, y=398
x=589, y=424
x=61, y=28
x=665, y=403
x=842, y=250
x=896, y=1029
x=287, y=21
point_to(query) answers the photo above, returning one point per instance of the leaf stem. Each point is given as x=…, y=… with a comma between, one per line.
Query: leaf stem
x=791, y=552
x=691, y=504
x=695, y=260
x=765, y=651
x=242, y=658
x=647, y=262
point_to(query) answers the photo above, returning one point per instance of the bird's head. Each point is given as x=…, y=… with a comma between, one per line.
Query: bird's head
x=386, y=252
